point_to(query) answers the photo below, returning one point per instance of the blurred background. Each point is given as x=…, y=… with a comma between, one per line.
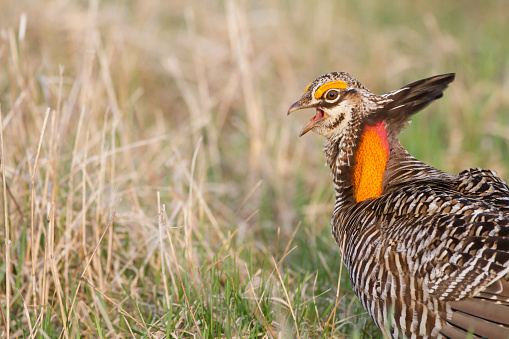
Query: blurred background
x=154, y=186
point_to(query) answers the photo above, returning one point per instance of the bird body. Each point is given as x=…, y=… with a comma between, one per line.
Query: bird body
x=427, y=251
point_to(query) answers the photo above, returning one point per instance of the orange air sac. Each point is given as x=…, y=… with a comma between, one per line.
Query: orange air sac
x=370, y=161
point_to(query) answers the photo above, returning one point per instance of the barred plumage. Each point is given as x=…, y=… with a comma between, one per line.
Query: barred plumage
x=427, y=251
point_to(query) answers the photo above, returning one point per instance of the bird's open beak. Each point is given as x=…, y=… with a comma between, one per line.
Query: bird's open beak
x=312, y=122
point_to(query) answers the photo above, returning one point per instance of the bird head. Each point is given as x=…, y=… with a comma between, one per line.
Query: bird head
x=335, y=97
x=340, y=101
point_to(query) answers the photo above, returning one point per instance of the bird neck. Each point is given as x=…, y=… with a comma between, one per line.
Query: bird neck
x=358, y=159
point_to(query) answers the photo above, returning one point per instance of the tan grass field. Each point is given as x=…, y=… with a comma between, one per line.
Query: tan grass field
x=153, y=186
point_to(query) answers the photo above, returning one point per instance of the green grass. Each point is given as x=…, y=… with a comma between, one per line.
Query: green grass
x=154, y=185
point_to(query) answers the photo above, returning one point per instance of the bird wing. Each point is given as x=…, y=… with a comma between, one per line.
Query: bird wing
x=454, y=238
x=485, y=185
x=462, y=241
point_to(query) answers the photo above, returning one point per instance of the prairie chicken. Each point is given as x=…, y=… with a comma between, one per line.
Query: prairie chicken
x=427, y=251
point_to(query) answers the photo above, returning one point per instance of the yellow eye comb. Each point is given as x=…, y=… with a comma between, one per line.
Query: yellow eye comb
x=333, y=84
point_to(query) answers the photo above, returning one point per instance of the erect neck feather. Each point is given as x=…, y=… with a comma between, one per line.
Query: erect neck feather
x=370, y=161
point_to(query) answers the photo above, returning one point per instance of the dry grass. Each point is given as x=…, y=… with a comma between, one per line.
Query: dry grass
x=152, y=184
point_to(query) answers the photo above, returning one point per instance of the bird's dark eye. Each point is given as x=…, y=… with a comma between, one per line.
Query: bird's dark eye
x=331, y=95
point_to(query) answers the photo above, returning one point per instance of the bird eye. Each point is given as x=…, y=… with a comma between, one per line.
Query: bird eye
x=331, y=95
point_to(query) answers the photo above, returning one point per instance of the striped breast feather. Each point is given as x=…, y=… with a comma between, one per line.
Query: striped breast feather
x=454, y=238
x=455, y=243
x=447, y=232
x=458, y=256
